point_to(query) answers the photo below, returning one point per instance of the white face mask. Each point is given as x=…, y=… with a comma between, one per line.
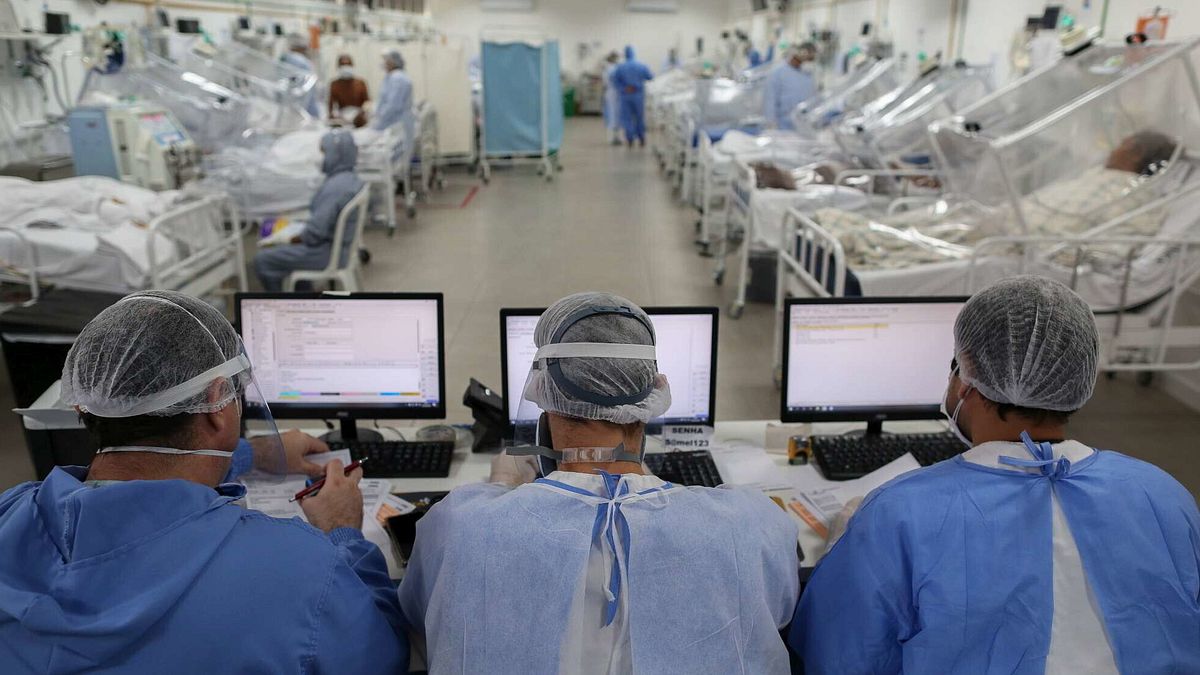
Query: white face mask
x=953, y=418
x=345, y=72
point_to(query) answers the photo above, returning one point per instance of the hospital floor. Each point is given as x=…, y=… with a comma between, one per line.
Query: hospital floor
x=609, y=222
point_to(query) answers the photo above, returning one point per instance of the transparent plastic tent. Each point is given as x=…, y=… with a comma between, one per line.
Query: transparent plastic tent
x=893, y=128
x=851, y=93
x=255, y=76
x=213, y=115
x=1011, y=150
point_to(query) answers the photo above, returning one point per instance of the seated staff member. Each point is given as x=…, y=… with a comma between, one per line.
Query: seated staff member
x=144, y=562
x=1028, y=553
x=598, y=567
x=312, y=248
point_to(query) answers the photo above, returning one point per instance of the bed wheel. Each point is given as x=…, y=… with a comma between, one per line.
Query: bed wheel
x=364, y=256
x=777, y=377
x=1145, y=378
x=719, y=277
x=1111, y=375
x=736, y=309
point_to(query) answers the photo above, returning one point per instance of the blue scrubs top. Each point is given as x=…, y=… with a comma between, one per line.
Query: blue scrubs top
x=171, y=576
x=949, y=570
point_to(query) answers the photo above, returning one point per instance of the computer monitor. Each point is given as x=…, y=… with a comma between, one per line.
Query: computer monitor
x=866, y=359
x=687, y=355
x=346, y=356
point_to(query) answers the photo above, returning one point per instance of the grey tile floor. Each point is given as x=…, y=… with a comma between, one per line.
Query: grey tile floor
x=609, y=222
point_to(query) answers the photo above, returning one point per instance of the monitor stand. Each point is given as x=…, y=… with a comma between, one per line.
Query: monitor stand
x=349, y=432
x=874, y=428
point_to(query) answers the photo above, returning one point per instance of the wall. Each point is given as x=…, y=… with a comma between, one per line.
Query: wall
x=601, y=25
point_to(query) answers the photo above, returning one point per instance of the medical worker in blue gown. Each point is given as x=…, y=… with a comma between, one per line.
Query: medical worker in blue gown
x=146, y=562
x=1030, y=552
x=310, y=250
x=630, y=80
x=598, y=567
x=395, y=104
x=297, y=55
x=788, y=85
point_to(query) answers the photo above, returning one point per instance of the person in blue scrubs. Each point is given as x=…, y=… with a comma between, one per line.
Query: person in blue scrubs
x=629, y=79
x=1028, y=553
x=599, y=567
x=788, y=85
x=145, y=562
x=395, y=104
x=297, y=55
x=310, y=250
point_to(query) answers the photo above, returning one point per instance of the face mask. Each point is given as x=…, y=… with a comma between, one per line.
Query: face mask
x=345, y=72
x=953, y=418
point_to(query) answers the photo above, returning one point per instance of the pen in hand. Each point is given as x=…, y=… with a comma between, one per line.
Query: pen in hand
x=315, y=487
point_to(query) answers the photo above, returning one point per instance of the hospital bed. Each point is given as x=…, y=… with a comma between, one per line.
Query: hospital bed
x=880, y=148
x=283, y=176
x=1130, y=254
x=94, y=233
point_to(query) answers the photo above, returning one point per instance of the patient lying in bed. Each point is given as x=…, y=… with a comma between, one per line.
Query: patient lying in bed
x=1068, y=207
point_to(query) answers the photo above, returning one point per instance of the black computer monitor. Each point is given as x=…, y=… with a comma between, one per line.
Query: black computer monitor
x=866, y=359
x=687, y=355
x=347, y=356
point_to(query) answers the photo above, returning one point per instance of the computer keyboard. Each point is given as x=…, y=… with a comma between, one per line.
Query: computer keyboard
x=401, y=459
x=851, y=456
x=685, y=467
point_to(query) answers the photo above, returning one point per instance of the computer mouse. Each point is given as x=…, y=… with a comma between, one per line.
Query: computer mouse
x=437, y=432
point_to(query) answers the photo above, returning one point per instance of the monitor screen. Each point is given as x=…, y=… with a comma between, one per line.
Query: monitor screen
x=367, y=355
x=687, y=355
x=867, y=358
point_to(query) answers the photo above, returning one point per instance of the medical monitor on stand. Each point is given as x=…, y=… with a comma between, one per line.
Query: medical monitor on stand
x=347, y=356
x=687, y=355
x=866, y=359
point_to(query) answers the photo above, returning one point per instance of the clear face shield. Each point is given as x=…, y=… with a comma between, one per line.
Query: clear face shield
x=225, y=385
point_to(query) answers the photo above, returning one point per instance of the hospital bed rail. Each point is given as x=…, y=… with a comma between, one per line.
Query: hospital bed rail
x=815, y=259
x=1135, y=338
x=201, y=272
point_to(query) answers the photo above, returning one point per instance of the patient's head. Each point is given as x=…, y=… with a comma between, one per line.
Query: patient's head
x=1142, y=153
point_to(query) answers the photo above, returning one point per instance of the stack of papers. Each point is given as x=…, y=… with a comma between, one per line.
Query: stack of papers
x=273, y=497
x=826, y=502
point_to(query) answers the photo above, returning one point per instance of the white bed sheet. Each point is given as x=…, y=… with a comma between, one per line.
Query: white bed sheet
x=769, y=206
x=87, y=230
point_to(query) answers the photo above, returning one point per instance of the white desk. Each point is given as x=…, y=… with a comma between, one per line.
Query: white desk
x=735, y=442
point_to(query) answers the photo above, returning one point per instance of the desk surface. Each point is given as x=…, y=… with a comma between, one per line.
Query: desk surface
x=738, y=452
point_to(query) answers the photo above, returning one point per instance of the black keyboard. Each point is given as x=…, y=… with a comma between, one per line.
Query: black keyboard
x=685, y=467
x=850, y=456
x=401, y=459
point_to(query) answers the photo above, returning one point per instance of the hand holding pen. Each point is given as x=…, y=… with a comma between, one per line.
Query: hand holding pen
x=334, y=501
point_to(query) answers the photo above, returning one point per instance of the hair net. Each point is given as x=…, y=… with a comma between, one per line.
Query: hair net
x=613, y=389
x=154, y=353
x=341, y=154
x=394, y=57
x=1028, y=341
x=629, y=53
x=297, y=41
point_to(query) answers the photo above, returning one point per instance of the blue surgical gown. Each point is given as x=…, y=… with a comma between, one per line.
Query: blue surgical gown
x=949, y=570
x=700, y=579
x=170, y=576
x=395, y=104
x=787, y=87
x=629, y=79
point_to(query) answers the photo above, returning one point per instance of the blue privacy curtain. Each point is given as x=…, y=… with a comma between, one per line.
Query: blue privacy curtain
x=512, y=98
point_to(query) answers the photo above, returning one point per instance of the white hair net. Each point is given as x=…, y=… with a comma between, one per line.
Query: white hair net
x=1028, y=341
x=155, y=353
x=297, y=41
x=394, y=57
x=620, y=389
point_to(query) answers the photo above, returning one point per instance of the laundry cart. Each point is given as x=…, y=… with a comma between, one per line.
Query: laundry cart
x=521, y=107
